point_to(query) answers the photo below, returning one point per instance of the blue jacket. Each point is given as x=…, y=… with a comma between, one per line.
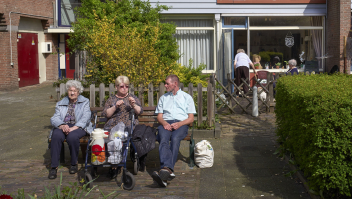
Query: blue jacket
x=82, y=114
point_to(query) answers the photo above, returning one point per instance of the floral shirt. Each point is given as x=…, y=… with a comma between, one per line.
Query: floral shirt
x=70, y=115
x=121, y=113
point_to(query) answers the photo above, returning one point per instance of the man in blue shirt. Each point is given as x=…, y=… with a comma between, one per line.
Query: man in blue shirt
x=175, y=111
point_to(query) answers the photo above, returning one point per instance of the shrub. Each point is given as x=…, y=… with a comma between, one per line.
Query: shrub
x=314, y=122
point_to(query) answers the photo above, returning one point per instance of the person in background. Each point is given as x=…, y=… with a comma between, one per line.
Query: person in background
x=241, y=65
x=175, y=111
x=292, y=67
x=71, y=121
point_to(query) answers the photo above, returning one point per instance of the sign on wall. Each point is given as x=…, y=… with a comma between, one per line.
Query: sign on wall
x=272, y=1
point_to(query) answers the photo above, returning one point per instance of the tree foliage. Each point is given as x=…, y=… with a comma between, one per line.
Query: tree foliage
x=125, y=38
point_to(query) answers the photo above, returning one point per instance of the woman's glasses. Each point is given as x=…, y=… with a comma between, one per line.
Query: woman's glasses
x=126, y=86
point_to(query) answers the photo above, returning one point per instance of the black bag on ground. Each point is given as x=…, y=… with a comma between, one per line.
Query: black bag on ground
x=144, y=139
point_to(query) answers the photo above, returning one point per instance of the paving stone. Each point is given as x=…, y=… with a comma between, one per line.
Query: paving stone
x=244, y=166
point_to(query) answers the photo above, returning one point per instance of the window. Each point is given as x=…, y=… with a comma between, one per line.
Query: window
x=66, y=12
x=195, y=38
x=279, y=21
x=234, y=21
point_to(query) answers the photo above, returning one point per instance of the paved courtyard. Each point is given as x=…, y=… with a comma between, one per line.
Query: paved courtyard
x=244, y=166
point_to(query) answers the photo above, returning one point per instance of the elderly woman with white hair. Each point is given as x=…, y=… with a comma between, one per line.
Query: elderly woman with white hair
x=292, y=67
x=71, y=121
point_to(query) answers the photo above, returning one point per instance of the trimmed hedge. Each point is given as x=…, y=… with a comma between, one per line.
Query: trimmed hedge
x=314, y=122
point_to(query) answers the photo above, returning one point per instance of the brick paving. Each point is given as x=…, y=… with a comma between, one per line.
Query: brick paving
x=244, y=163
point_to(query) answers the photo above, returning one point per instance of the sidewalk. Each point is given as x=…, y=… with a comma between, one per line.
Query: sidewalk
x=244, y=166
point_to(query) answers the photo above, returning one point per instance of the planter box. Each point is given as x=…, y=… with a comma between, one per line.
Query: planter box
x=205, y=133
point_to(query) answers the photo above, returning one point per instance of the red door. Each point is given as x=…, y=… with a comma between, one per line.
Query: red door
x=28, y=65
x=70, y=61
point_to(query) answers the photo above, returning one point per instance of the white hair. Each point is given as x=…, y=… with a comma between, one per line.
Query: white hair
x=292, y=62
x=240, y=50
x=76, y=84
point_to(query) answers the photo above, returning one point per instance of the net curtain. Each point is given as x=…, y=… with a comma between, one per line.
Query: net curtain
x=196, y=44
x=317, y=38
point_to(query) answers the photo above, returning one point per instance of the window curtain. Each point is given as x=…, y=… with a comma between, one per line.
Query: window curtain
x=317, y=38
x=197, y=45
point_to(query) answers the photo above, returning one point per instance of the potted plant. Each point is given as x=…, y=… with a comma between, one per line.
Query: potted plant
x=278, y=64
x=256, y=65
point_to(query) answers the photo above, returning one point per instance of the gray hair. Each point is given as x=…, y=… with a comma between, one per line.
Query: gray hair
x=173, y=78
x=122, y=79
x=240, y=50
x=292, y=62
x=76, y=84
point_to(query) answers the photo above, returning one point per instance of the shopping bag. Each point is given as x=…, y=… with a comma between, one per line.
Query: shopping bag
x=118, y=131
x=204, y=154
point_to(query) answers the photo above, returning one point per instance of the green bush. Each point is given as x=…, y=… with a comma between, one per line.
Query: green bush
x=314, y=122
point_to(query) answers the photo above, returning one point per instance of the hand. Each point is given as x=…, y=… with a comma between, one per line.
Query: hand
x=65, y=128
x=167, y=126
x=73, y=128
x=132, y=101
x=118, y=103
x=175, y=125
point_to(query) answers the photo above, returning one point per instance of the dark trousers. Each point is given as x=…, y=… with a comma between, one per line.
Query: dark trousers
x=169, y=144
x=242, y=72
x=72, y=140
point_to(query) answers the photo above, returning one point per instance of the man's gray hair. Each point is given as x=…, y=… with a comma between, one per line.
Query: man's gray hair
x=240, y=50
x=174, y=78
x=76, y=84
x=292, y=62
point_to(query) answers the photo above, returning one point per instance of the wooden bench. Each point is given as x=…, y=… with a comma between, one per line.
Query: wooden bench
x=148, y=117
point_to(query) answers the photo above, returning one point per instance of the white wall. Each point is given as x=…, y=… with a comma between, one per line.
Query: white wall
x=31, y=25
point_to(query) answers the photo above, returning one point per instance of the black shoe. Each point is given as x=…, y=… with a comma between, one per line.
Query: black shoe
x=142, y=168
x=52, y=173
x=73, y=169
x=165, y=173
x=114, y=172
x=157, y=179
x=171, y=177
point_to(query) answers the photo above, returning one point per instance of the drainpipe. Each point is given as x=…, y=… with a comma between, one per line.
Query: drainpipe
x=11, y=28
x=217, y=19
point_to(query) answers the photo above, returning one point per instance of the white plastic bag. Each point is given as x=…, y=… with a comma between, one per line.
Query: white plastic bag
x=204, y=154
x=118, y=131
x=115, y=151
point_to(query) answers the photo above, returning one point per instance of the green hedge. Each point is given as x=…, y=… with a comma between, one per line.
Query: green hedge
x=314, y=122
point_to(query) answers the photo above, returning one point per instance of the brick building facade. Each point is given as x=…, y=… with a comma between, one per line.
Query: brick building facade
x=18, y=16
x=338, y=24
x=21, y=16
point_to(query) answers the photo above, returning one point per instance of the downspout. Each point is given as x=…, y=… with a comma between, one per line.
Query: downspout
x=217, y=19
x=11, y=28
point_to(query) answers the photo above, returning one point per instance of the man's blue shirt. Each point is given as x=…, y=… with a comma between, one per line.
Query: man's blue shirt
x=176, y=107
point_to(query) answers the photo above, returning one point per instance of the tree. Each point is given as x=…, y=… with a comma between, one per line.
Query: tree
x=125, y=38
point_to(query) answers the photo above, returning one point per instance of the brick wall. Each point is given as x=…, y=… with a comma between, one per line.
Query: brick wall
x=337, y=27
x=9, y=74
x=52, y=59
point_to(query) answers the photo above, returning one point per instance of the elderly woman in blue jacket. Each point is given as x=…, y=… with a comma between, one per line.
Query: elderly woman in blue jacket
x=71, y=121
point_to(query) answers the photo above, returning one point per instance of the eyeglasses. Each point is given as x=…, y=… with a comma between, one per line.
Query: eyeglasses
x=126, y=86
